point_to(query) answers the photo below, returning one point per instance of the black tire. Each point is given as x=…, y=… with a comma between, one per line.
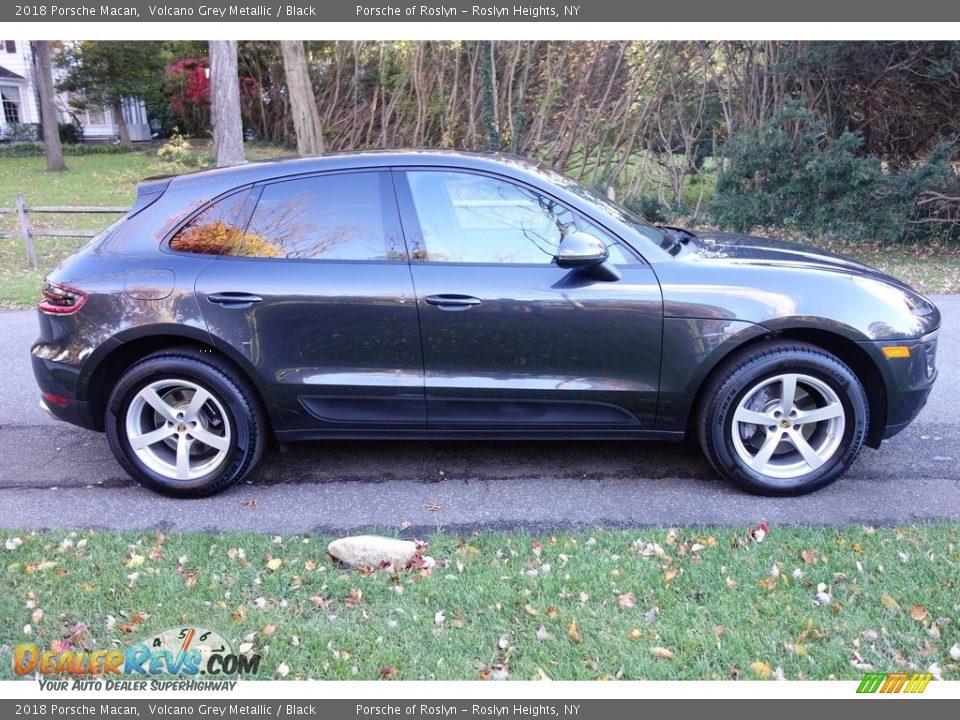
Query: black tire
x=737, y=381
x=235, y=407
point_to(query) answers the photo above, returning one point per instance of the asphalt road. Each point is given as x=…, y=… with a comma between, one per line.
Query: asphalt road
x=53, y=475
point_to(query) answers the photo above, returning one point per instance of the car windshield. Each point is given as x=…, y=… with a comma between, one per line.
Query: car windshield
x=613, y=208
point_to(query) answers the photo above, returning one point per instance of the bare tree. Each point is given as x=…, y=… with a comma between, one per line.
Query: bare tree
x=48, y=108
x=303, y=104
x=225, y=103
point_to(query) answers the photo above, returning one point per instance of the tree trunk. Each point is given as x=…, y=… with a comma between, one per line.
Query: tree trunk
x=225, y=103
x=48, y=108
x=120, y=122
x=303, y=104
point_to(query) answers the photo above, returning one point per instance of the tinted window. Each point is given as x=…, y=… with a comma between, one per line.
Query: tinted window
x=468, y=218
x=329, y=217
x=213, y=231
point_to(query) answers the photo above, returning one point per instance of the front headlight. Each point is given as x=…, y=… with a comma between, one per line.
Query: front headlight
x=918, y=304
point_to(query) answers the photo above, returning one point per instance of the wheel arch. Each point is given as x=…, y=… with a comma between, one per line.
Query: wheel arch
x=845, y=349
x=134, y=347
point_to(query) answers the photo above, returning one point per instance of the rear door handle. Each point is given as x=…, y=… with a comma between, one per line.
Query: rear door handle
x=237, y=300
x=452, y=301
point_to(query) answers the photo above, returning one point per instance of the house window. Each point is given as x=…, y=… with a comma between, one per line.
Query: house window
x=11, y=103
x=10, y=45
x=96, y=116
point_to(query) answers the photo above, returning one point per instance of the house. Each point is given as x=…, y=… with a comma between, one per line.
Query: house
x=21, y=106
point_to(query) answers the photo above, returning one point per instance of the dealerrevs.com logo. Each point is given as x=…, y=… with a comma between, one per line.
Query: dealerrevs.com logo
x=896, y=682
x=183, y=658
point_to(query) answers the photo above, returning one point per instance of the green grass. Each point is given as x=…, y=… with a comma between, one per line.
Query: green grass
x=717, y=604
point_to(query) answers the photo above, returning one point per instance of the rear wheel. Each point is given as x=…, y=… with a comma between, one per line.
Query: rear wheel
x=783, y=418
x=184, y=423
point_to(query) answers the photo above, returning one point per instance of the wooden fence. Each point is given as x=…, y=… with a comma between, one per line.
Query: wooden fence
x=23, y=212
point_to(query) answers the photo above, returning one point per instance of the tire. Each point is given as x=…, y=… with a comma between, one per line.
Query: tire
x=764, y=448
x=174, y=445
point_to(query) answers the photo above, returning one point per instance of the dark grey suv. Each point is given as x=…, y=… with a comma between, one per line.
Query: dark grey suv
x=446, y=295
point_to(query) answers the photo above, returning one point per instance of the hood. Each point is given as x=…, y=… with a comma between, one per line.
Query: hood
x=752, y=250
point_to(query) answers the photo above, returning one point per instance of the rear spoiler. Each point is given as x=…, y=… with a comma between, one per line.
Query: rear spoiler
x=148, y=192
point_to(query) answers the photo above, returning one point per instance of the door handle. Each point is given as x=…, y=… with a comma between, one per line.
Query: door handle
x=452, y=301
x=238, y=300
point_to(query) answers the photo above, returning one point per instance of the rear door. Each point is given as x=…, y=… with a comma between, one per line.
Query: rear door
x=512, y=341
x=312, y=286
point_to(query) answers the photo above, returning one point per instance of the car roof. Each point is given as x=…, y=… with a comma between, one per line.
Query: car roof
x=270, y=169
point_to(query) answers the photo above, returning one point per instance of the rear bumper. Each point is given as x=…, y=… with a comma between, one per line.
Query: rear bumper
x=58, y=379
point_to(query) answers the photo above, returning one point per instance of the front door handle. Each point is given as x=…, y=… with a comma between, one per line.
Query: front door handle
x=452, y=301
x=236, y=300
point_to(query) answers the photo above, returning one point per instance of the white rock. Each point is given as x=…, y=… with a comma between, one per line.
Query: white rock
x=372, y=550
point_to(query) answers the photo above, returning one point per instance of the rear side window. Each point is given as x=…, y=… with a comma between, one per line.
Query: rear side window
x=345, y=216
x=214, y=231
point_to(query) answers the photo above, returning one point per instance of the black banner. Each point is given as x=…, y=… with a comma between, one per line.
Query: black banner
x=572, y=11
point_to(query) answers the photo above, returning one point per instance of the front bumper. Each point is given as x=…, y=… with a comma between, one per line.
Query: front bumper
x=909, y=379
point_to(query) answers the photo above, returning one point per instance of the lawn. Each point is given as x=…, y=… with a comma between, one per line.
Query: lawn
x=696, y=603
x=111, y=180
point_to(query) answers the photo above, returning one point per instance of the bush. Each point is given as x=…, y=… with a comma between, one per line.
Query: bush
x=788, y=172
x=21, y=132
x=35, y=149
x=179, y=151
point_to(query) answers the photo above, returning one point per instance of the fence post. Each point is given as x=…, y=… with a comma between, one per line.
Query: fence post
x=25, y=229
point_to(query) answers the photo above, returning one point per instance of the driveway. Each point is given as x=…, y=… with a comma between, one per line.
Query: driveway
x=53, y=475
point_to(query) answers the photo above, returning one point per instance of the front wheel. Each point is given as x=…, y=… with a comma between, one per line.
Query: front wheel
x=184, y=423
x=783, y=418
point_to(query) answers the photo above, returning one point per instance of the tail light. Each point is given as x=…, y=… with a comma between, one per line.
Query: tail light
x=60, y=299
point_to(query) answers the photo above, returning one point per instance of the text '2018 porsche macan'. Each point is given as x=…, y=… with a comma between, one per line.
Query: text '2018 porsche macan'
x=447, y=295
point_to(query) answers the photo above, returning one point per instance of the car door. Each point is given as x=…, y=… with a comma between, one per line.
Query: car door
x=511, y=341
x=313, y=288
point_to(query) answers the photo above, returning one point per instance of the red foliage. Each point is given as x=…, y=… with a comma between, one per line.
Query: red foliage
x=191, y=85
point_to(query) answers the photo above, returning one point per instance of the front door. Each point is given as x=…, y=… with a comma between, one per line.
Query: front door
x=315, y=292
x=510, y=340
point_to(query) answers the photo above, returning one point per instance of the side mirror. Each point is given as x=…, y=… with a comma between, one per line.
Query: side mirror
x=581, y=250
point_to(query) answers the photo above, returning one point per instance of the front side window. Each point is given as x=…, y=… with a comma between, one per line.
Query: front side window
x=470, y=218
x=345, y=216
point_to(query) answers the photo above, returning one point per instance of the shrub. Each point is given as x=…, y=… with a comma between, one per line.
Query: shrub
x=35, y=149
x=178, y=151
x=788, y=172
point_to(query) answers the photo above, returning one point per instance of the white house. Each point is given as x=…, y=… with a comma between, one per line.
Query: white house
x=21, y=105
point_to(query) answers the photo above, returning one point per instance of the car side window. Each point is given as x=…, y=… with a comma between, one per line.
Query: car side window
x=470, y=218
x=344, y=216
x=214, y=230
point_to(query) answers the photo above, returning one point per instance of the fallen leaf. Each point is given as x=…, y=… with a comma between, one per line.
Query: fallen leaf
x=889, y=603
x=13, y=543
x=661, y=653
x=134, y=560
x=283, y=669
x=573, y=632
x=761, y=669
x=809, y=556
x=542, y=633
x=274, y=564
x=387, y=672
x=249, y=502
x=918, y=613
x=433, y=507
x=626, y=601
x=270, y=630
x=635, y=634
x=354, y=597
